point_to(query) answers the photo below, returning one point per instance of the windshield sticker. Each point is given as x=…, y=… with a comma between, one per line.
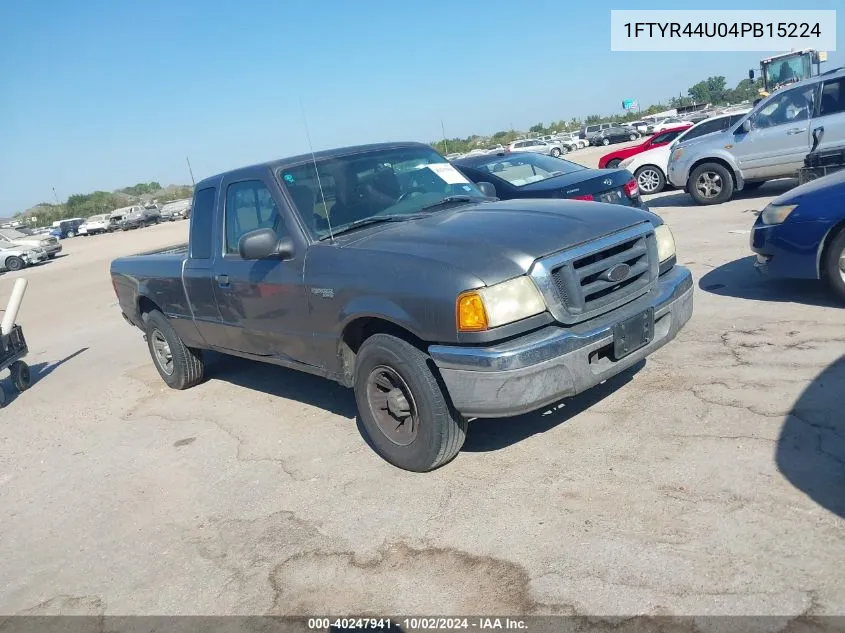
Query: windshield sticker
x=448, y=174
x=289, y=179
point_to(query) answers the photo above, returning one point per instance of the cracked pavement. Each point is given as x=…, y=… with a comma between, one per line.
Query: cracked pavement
x=710, y=480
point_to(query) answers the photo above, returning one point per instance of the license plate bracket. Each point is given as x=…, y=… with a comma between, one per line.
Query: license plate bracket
x=633, y=333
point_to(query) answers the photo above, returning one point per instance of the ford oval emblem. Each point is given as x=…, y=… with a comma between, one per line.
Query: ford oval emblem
x=617, y=273
x=607, y=181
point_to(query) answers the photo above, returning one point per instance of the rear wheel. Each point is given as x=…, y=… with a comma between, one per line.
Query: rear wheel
x=2, y=397
x=71, y=234
x=650, y=179
x=180, y=366
x=834, y=265
x=633, y=137
x=711, y=183
x=403, y=410
x=555, y=152
x=605, y=141
x=15, y=263
x=613, y=164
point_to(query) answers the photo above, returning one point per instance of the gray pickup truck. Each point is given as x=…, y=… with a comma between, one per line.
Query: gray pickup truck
x=383, y=268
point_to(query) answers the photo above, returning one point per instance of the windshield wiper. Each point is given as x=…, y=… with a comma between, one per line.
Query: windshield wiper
x=376, y=219
x=463, y=199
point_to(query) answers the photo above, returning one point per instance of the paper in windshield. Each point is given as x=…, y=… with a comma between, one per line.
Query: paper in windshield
x=448, y=173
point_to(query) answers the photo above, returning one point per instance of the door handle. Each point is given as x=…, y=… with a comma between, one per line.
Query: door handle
x=796, y=130
x=222, y=280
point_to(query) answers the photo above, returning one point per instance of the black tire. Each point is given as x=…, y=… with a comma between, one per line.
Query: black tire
x=711, y=183
x=51, y=256
x=555, y=152
x=439, y=430
x=612, y=164
x=832, y=268
x=15, y=263
x=21, y=376
x=633, y=137
x=653, y=177
x=605, y=141
x=2, y=397
x=70, y=234
x=186, y=366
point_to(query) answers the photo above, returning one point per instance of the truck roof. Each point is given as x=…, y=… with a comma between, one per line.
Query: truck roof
x=307, y=158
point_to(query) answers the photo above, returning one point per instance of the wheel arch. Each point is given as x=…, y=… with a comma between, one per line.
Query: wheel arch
x=824, y=245
x=358, y=329
x=715, y=159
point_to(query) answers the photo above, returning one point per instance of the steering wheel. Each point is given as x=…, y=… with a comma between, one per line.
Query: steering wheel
x=408, y=193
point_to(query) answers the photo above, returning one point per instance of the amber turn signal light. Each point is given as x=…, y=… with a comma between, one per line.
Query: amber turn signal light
x=471, y=315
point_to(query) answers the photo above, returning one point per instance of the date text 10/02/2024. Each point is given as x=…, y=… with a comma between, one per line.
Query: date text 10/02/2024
x=418, y=623
x=796, y=30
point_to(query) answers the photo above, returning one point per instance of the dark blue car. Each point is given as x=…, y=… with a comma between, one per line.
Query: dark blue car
x=801, y=233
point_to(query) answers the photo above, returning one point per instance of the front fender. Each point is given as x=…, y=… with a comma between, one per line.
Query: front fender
x=369, y=306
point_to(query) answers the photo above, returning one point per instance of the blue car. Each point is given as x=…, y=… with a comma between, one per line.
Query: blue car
x=801, y=233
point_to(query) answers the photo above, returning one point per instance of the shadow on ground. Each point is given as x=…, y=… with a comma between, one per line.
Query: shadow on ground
x=740, y=279
x=282, y=382
x=484, y=435
x=38, y=372
x=492, y=434
x=680, y=198
x=811, y=448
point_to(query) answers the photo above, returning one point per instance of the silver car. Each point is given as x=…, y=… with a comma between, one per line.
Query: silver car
x=17, y=258
x=770, y=142
x=536, y=145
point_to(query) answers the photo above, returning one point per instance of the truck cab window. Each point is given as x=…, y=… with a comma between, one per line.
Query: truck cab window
x=250, y=206
x=201, y=223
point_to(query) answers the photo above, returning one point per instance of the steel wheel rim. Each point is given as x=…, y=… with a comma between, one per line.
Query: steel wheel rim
x=392, y=405
x=648, y=181
x=709, y=184
x=842, y=266
x=162, y=353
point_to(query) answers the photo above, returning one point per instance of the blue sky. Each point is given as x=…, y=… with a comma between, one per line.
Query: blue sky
x=102, y=94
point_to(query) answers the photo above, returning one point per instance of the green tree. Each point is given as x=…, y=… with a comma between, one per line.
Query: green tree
x=537, y=129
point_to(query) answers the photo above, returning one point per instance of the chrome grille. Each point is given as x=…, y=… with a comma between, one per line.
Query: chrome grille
x=577, y=283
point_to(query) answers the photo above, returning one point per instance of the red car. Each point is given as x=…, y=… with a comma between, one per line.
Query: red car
x=611, y=160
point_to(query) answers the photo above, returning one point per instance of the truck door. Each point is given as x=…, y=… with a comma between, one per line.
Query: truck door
x=263, y=303
x=779, y=139
x=831, y=115
x=199, y=268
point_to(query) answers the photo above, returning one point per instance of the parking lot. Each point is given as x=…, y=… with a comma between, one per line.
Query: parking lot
x=709, y=480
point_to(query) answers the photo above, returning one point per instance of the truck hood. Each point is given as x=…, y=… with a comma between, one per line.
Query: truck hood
x=496, y=241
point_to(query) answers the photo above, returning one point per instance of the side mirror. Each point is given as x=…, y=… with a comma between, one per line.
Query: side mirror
x=487, y=188
x=263, y=244
x=751, y=75
x=746, y=125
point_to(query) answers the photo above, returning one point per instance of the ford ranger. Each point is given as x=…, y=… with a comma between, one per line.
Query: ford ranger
x=383, y=268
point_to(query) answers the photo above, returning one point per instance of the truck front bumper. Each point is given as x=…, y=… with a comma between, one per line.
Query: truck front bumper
x=553, y=363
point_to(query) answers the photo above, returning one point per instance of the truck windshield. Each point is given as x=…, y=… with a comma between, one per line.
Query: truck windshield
x=391, y=182
x=787, y=70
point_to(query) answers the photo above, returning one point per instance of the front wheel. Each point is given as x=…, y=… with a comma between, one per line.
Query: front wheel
x=15, y=263
x=555, y=152
x=650, y=179
x=403, y=410
x=70, y=234
x=711, y=183
x=605, y=141
x=633, y=137
x=180, y=366
x=834, y=265
x=21, y=376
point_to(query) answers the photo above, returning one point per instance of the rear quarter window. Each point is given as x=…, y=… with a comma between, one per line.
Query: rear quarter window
x=201, y=223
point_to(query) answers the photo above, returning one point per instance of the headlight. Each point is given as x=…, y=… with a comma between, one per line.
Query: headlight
x=665, y=243
x=676, y=155
x=777, y=213
x=490, y=307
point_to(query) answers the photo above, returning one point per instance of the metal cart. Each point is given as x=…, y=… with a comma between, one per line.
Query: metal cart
x=12, y=349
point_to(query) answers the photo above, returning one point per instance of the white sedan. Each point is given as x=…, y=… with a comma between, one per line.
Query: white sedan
x=650, y=167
